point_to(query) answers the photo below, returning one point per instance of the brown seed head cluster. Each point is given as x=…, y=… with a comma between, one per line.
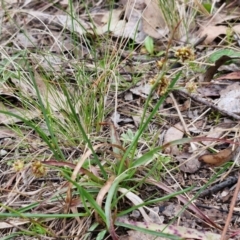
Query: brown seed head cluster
x=38, y=169
x=160, y=63
x=184, y=53
x=191, y=87
x=18, y=165
x=162, y=86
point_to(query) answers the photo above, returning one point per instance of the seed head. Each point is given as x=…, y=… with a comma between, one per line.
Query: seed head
x=185, y=53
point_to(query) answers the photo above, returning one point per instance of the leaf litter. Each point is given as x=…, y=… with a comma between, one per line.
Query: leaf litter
x=137, y=19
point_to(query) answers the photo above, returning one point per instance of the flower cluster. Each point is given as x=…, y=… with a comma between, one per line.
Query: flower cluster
x=162, y=85
x=18, y=165
x=184, y=53
x=160, y=63
x=38, y=169
x=191, y=87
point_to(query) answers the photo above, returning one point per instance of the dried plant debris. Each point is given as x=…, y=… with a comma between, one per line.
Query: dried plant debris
x=217, y=159
x=181, y=232
x=216, y=25
x=175, y=132
x=230, y=98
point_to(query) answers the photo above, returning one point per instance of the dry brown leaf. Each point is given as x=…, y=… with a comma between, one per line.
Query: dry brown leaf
x=79, y=25
x=175, y=132
x=190, y=166
x=230, y=98
x=128, y=26
x=230, y=76
x=144, y=17
x=214, y=31
x=131, y=26
x=217, y=159
x=143, y=90
x=215, y=132
x=153, y=21
x=102, y=193
x=24, y=113
x=136, y=24
x=221, y=17
x=107, y=20
x=26, y=40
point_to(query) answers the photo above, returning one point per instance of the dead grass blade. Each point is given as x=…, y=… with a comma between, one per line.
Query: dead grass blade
x=74, y=175
x=102, y=193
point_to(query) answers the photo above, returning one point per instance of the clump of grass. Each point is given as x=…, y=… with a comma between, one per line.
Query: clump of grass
x=180, y=17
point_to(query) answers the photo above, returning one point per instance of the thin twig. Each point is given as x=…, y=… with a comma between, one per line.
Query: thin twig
x=199, y=99
x=179, y=114
x=182, y=120
x=234, y=199
x=227, y=183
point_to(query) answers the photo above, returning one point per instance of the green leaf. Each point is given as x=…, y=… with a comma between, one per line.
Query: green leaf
x=101, y=235
x=218, y=54
x=208, y=6
x=111, y=192
x=128, y=136
x=145, y=158
x=149, y=44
